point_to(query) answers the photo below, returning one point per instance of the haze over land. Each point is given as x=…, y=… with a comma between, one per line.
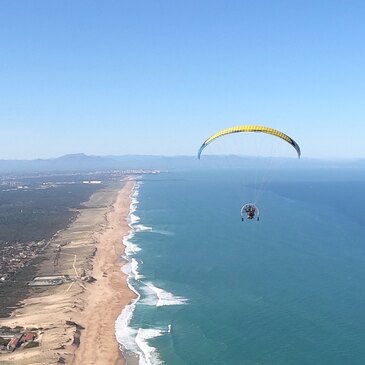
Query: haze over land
x=81, y=162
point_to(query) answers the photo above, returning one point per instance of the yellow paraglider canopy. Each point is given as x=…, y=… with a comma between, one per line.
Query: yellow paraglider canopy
x=250, y=128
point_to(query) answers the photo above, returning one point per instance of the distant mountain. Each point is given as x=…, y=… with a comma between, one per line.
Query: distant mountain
x=75, y=156
x=82, y=162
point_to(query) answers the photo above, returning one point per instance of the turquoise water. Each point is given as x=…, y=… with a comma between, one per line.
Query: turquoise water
x=288, y=289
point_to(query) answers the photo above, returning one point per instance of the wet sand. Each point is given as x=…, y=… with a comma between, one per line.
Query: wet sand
x=78, y=318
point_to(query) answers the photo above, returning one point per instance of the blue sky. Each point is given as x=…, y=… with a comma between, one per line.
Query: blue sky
x=158, y=77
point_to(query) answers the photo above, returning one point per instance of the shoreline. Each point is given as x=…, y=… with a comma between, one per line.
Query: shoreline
x=98, y=342
x=122, y=322
x=78, y=319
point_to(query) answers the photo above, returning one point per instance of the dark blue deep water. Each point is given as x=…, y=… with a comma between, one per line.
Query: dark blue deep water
x=289, y=289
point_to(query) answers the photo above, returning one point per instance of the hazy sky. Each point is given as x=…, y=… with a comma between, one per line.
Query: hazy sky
x=158, y=77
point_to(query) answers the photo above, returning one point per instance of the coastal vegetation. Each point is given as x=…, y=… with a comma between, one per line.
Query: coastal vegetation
x=32, y=211
x=37, y=214
x=31, y=344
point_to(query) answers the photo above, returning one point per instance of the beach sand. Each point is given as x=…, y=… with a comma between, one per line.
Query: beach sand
x=78, y=318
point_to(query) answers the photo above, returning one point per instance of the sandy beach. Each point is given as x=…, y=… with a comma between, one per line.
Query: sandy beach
x=77, y=319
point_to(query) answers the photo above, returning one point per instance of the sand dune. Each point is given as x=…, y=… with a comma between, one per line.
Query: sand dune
x=78, y=318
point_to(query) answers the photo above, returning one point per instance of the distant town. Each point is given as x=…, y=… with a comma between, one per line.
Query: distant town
x=16, y=255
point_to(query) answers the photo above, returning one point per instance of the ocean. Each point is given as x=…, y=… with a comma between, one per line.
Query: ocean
x=288, y=289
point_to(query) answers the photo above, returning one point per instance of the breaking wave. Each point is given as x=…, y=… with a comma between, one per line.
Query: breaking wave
x=136, y=341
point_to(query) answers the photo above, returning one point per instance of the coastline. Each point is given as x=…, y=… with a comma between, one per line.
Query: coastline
x=78, y=319
x=111, y=293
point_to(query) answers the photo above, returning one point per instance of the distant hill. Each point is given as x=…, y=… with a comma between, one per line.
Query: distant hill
x=82, y=162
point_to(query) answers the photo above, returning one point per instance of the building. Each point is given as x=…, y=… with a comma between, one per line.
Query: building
x=29, y=336
x=15, y=342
